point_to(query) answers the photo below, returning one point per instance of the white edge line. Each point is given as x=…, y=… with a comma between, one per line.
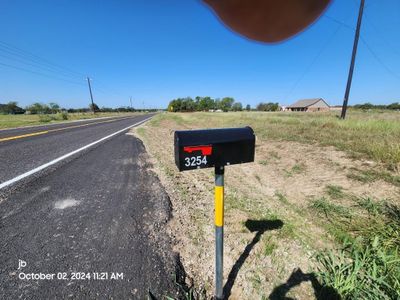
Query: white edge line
x=50, y=163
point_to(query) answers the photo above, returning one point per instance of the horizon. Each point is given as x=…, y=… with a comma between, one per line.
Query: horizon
x=155, y=53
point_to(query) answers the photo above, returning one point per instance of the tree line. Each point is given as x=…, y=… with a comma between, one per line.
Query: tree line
x=53, y=108
x=225, y=104
x=365, y=106
x=204, y=104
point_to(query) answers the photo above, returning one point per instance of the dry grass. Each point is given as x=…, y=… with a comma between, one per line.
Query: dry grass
x=12, y=121
x=374, y=135
x=300, y=177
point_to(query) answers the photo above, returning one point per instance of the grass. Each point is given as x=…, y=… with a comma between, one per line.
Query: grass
x=370, y=175
x=11, y=121
x=368, y=266
x=282, y=198
x=269, y=247
x=322, y=205
x=335, y=191
x=361, y=232
x=371, y=206
x=373, y=135
x=296, y=169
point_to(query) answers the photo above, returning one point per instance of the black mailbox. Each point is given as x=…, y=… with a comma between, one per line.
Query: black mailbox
x=197, y=149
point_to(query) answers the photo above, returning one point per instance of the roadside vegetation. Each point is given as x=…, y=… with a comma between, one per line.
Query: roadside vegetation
x=369, y=134
x=224, y=104
x=11, y=115
x=316, y=216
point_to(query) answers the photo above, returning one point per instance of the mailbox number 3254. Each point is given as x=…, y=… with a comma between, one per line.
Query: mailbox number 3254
x=195, y=161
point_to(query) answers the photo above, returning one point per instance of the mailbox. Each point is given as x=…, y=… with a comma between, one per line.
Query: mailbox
x=197, y=149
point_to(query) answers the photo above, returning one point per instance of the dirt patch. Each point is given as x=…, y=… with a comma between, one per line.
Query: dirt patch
x=279, y=186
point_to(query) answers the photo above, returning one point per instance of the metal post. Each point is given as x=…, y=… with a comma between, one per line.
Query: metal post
x=353, y=59
x=219, y=231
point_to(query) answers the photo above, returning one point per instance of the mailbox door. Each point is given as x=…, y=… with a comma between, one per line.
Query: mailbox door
x=197, y=149
x=195, y=157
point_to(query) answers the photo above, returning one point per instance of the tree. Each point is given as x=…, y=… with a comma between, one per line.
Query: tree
x=94, y=107
x=188, y=104
x=248, y=107
x=226, y=103
x=237, y=106
x=395, y=105
x=270, y=106
x=54, y=107
x=38, y=108
x=205, y=103
x=11, y=108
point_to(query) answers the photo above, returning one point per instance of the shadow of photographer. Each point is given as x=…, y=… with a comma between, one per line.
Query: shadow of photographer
x=296, y=278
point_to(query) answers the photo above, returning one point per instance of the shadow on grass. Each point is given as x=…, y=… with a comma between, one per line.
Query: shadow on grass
x=258, y=226
x=296, y=278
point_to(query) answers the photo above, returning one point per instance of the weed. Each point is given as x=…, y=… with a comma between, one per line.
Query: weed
x=282, y=198
x=287, y=231
x=324, y=206
x=62, y=116
x=367, y=267
x=334, y=191
x=46, y=118
x=366, y=176
x=263, y=162
x=361, y=271
x=298, y=168
x=372, y=207
x=269, y=247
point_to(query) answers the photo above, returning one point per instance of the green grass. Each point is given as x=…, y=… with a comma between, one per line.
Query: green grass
x=296, y=169
x=282, y=198
x=11, y=121
x=334, y=191
x=368, y=266
x=269, y=247
x=329, y=209
x=366, y=176
x=373, y=135
x=371, y=206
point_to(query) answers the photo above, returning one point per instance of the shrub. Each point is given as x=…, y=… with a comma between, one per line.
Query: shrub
x=63, y=115
x=46, y=118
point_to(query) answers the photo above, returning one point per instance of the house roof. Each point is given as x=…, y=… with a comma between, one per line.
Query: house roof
x=307, y=102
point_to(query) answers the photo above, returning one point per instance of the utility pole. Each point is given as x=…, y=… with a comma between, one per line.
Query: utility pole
x=130, y=99
x=353, y=58
x=91, y=95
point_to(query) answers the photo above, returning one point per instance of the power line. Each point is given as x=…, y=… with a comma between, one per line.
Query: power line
x=378, y=59
x=33, y=57
x=381, y=36
x=319, y=53
x=35, y=65
x=339, y=22
x=42, y=65
x=38, y=73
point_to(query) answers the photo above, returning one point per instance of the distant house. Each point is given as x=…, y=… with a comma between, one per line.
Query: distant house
x=317, y=104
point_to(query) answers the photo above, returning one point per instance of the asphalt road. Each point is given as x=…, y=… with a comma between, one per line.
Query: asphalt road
x=96, y=221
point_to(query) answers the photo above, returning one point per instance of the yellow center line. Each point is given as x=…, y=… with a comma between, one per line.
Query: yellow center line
x=53, y=130
x=22, y=136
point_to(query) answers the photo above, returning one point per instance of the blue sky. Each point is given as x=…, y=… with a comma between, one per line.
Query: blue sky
x=158, y=50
